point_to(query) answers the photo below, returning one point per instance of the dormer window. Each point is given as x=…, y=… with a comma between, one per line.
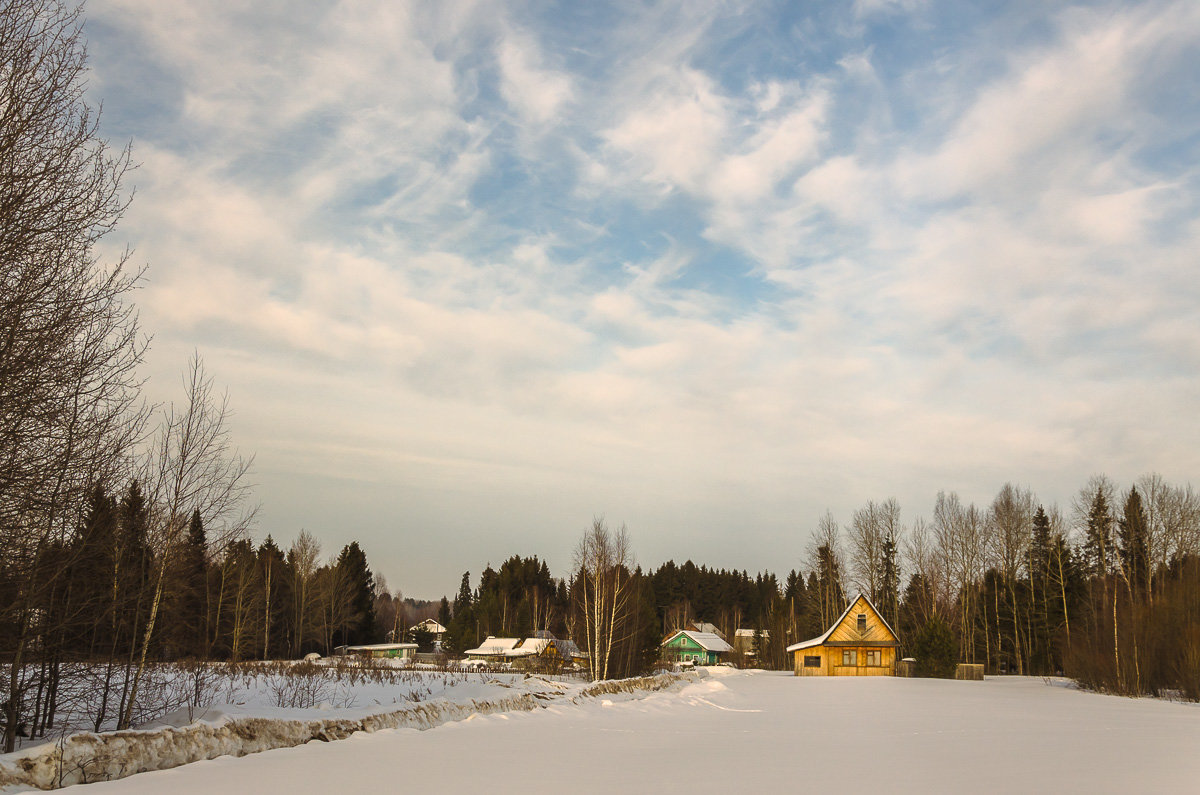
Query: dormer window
x=862, y=622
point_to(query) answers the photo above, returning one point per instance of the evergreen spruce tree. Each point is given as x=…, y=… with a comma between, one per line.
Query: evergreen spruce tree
x=889, y=587
x=1135, y=561
x=460, y=632
x=91, y=592
x=354, y=572
x=934, y=650
x=133, y=567
x=1040, y=552
x=187, y=611
x=272, y=568
x=829, y=585
x=1098, y=542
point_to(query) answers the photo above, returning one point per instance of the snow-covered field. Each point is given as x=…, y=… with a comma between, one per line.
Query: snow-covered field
x=238, y=710
x=734, y=731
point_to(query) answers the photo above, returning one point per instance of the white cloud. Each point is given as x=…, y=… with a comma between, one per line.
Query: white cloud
x=464, y=328
x=536, y=92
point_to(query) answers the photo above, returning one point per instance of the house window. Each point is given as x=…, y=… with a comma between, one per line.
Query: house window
x=813, y=661
x=849, y=656
x=862, y=622
x=874, y=657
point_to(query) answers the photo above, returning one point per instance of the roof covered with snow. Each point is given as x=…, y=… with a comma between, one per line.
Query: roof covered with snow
x=528, y=647
x=705, y=640
x=381, y=647
x=706, y=627
x=750, y=633
x=495, y=646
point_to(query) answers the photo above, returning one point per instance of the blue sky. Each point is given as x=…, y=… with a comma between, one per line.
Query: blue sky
x=476, y=272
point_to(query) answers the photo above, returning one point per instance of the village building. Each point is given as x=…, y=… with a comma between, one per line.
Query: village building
x=698, y=648
x=391, y=651
x=433, y=628
x=493, y=649
x=539, y=652
x=704, y=626
x=745, y=641
x=860, y=643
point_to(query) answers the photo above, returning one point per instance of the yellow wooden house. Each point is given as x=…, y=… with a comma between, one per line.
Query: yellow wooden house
x=860, y=643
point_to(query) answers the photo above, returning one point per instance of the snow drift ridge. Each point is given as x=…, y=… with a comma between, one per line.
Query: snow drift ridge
x=88, y=757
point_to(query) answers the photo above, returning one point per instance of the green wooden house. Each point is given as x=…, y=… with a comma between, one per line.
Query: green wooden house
x=403, y=651
x=698, y=648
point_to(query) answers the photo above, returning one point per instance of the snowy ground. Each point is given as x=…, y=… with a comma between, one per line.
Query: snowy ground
x=260, y=707
x=757, y=731
x=177, y=694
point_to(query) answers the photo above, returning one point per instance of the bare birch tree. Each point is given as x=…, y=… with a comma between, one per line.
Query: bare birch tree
x=825, y=558
x=603, y=562
x=302, y=563
x=193, y=467
x=959, y=531
x=1172, y=522
x=869, y=530
x=1010, y=528
x=922, y=557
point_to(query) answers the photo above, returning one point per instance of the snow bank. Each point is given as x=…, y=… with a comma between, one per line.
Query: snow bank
x=641, y=683
x=88, y=757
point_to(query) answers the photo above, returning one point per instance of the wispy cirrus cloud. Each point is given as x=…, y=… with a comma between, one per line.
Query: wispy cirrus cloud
x=475, y=272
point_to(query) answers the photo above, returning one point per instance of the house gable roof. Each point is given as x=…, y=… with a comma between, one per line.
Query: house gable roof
x=495, y=646
x=380, y=647
x=705, y=640
x=530, y=646
x=821, y=640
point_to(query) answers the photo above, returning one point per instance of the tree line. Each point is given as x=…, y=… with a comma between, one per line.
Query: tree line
x=606, y=606
x=1107, y=593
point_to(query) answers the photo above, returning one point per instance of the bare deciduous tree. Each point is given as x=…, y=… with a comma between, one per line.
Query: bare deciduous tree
x=69, y=341
x=1010, y=527
x=603, y=560
x=302, y=561
x=1172, y=522
x=826, y=560
x=923, y=558
x=959, y=531
x=869, y=530
x=193, y=467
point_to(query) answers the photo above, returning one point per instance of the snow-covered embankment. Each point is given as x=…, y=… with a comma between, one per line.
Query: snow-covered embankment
x=87, y=757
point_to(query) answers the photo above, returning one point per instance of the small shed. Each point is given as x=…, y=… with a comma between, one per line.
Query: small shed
x=860, y=643
x=701, y=648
